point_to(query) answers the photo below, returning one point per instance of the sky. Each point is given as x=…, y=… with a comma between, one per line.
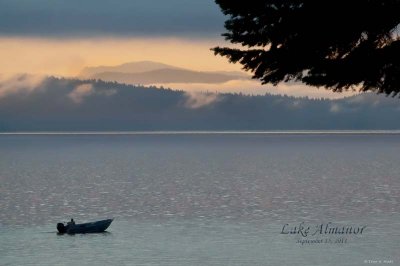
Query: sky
x=58, y=37
x=133, y=18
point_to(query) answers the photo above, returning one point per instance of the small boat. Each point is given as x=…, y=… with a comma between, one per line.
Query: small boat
x=94, y=227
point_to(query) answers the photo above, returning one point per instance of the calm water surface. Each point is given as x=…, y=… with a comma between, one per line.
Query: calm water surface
x=215, y=199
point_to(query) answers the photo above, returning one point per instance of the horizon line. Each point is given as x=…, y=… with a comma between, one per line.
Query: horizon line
x=211, y=132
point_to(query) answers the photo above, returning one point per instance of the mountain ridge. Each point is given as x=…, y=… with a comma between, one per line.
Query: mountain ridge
x=149, y=72
x=129, y=67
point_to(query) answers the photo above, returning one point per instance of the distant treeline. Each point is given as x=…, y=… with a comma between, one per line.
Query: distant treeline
x=58, y=104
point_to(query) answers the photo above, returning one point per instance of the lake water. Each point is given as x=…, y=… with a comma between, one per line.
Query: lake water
x=199, y=199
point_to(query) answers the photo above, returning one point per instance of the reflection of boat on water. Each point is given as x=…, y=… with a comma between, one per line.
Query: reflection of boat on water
x=94, y=227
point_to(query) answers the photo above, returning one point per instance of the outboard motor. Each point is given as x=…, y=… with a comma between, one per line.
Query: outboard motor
x=61, y=228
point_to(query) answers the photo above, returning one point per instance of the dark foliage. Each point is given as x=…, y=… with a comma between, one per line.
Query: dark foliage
x=333, y=44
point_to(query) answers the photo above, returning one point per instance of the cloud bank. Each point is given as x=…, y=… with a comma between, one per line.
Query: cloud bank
x=110, y=17
x=196, y=100
x=21, y=83
x=80, y=92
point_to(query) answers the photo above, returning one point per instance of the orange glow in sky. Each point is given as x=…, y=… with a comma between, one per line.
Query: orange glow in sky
x=66, y=57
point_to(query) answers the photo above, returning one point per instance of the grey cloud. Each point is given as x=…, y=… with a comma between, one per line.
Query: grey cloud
x=20, y=83
x=335, y=108
x=110, y=17
x=80, y=92
x=196, y=100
